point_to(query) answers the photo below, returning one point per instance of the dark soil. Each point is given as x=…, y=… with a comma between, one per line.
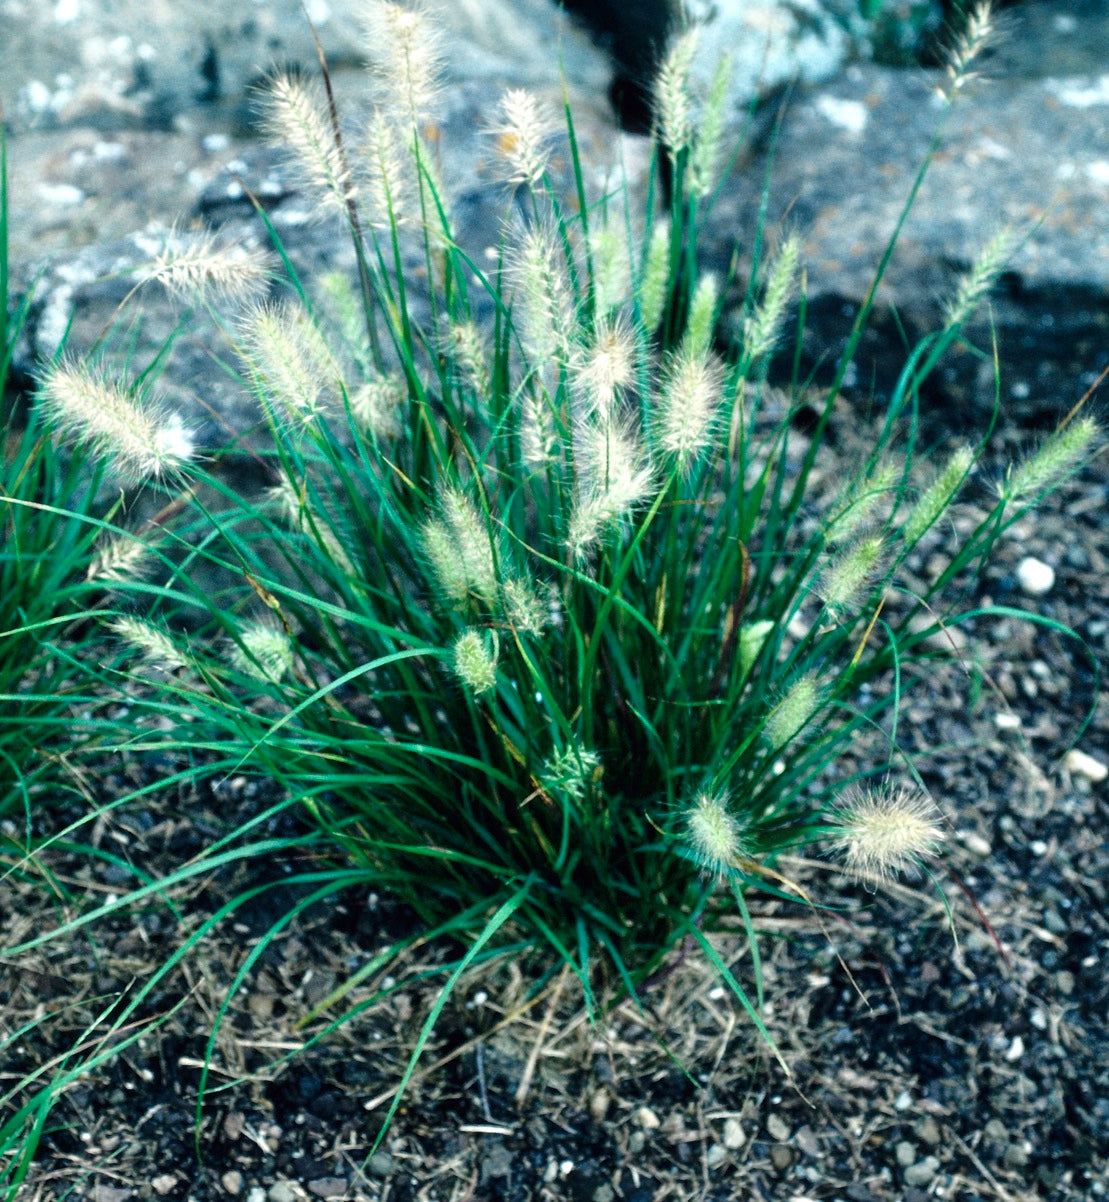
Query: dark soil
x=957, y=1054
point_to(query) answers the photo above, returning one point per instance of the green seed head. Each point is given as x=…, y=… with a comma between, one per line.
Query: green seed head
x=475, y=662
x=266, y=653
x=938, y=495
x=1059, y=455
x=793, y=713
x=713, y=835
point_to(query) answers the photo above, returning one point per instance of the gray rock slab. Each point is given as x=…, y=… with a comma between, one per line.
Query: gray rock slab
x=1030, y=154
x=774, y=42
x=90, y=293
x=121, y=64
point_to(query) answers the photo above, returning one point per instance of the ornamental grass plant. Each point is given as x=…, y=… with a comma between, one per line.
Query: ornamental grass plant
x=538, y=624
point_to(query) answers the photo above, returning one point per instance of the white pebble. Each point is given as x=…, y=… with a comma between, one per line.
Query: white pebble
x=66, y=195
x=974, y=843
x=1035, y=577
x=1078, y=763
x=1016, y=1050
x=715, y=1156
x=1007, y=721
x=734, y=1135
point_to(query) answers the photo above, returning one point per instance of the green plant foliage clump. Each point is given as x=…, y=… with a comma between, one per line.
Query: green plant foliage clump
x=538, y=621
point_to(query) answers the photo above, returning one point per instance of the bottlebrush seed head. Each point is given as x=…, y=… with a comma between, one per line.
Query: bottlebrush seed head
x=886, y=831
x=713, y=834
x=475, y=662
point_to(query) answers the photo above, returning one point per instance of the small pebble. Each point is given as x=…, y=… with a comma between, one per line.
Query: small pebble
x=382, y=1164
x=734, y=1135
x=63, y=195
x=1006, y=721
x=777, y=1128
x=1078, y=763
x=647, y=1118
x=232, y=1182
x=921, y=1173
x=905, y=1153
x=781, y=1156
x=1016, y=1156
x=928, y=1131
x=716, y=1155
x=1016, y=1050
x=903, y=1100
x=1035, y=577
x=328, y=1187
x=806, y=1140
x=1064, y=982
x=256, y=1194
x=975, y=843
x=1055, y=922
x=599, y=1104
x=164, y=1183
x=280, y=1192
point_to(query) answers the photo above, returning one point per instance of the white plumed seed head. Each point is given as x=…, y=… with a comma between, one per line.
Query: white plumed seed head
x=752, y=639
x=266, y=652
x=604, y=368
x=703, y=165
x=655, y=280
x=294, y=371
x=687, y=406
x=152, y=642
x=296, y=118
x=139, y=435
x=762, y=328
x=977, y=31
x=119, y=560
x=390, y=180
x=673, y=101
x=197, y=265
x=475, y=662
x=613, y=482
x=523, y=136
x=403, y=47
x=713, y=835
x=459, y=552
x=538, y=436
x=612, y=268
x=466, y=348
x=977, y=282
x=863, y=502
x=881, y=832
x=542, y=297
x=524, y=609
x=377, y=405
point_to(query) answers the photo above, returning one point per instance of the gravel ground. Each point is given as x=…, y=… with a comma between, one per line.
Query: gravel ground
x=952, y=1051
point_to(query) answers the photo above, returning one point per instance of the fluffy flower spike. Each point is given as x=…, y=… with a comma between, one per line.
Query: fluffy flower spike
x=886, y=831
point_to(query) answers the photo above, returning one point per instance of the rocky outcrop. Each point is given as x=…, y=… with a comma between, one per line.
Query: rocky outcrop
x=1023, y=152
x=1026, y=147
